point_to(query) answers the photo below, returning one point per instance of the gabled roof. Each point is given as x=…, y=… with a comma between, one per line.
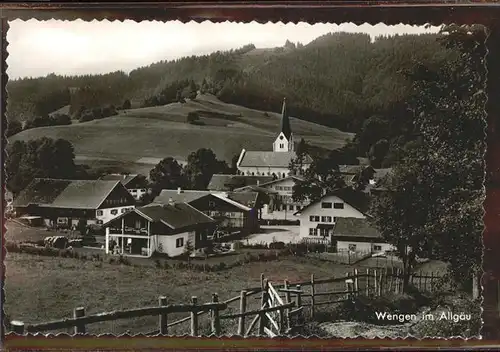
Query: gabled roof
x=246, y=199
x=279, y=180
x=269, y=159
x=221, y=182
x=353, y=227
x=176, y=216
x=285, y=121
x=347, y=195
x=57, y=193
x=124, y=179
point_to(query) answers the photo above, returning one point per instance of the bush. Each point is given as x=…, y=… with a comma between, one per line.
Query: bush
x=465, y=307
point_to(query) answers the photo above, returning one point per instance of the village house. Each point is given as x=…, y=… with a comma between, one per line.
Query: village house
x=273, y=163
x=374, y=177
x=222, y=182
x=317, y=220
x=234, y=211
x=281, y=205
x=357, y=235
x=64, y=203
x=161, y=228
x=136, y=184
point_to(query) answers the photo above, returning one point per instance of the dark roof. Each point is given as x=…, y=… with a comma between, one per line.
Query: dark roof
x=176, y=216
x=353, y=227
x=220, y=182
x=351, y=169
x=269, y=159
x=124, y=179
x=56, y=193
x=285, y=121
x=248, y=199
x=357, y=200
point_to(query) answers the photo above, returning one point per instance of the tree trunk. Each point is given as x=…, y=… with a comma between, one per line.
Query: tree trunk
x=408, y=263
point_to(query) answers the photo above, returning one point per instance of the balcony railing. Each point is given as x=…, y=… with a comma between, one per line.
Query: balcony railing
x=128, y=231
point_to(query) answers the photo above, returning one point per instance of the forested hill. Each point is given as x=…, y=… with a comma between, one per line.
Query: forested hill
x=339, y=80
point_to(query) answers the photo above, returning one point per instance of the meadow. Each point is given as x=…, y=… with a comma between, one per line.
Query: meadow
x=136, y=135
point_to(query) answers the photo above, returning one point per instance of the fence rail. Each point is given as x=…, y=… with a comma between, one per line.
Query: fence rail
x=281, y=308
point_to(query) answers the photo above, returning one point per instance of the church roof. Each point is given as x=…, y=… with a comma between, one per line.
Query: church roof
x=285, y=121
x=269, y=159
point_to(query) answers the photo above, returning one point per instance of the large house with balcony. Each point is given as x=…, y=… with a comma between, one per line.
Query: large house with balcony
x=234, y=211
x=273, y=163
x=63, y=203
x=161, y=228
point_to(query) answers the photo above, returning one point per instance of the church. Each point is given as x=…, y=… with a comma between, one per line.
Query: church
x=272, y=163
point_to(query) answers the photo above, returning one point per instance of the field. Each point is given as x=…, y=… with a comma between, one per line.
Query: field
x=47, y=288
x=136, y=139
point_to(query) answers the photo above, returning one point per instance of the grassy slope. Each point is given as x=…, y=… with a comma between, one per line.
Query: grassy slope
x=161, y=131
x=44, y=288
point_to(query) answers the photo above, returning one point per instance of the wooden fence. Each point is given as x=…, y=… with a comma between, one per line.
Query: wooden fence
x=281, y=308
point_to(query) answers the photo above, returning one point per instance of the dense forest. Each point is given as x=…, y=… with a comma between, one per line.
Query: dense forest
x=339, y=80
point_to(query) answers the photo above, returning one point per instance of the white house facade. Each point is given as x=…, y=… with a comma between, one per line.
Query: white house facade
x=317, y=220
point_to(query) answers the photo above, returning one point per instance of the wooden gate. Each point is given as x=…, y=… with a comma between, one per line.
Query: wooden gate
x=276, y=320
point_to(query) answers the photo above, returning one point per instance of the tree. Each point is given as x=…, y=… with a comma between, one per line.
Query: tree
x=297, y=164
x=193, y=90
x=192, y=116
x=13, y=127
x=44, y=157
x=201, y=166
x=126, y=104
x=179, y=98
x=322, y=177
x=204, y=86
x=167, y=174
x=442, y=174
x=377, y=153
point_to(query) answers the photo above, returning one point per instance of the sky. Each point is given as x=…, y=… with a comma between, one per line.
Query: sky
x=37, y=48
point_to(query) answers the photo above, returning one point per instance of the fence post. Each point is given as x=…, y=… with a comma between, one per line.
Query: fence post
x=367, y=288
x=420, y=281
x=194, y=316
x=215, y=316
x=17, y=327
x=263, y=301
x=243, y=308
x=356, y=282
x=78, y=313
x=381, y=282
x=288, y=299
x=282, y=321
x=299, y=303
x=312, y=295
x=431, y=285
x=375, y=275
x=162, y=319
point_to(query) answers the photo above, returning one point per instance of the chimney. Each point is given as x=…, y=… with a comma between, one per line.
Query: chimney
x=179, y=190
x=258, y=182
x=124, y=176
x=170, y=201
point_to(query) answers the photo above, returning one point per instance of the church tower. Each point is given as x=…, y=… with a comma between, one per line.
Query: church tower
x=284, y=141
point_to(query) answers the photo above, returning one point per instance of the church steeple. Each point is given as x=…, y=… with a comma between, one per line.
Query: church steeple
x=284, y=141
x=285, y=121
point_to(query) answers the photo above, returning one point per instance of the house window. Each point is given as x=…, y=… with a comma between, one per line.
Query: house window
x=323, y=219
x=323, y=232
x=338, y=205
x=133, y=190
x=143, y=190
x=99, y=213
x=313, y=232
x=326, y=205
x=377, y=247
x=352, y=247
x=328, y=219
x=311, y=218
x=99, y=222
x=290, y=207
x=211, y=204
x=114, y=211
x=124, y=210
x=282, y=145
x=179, y=242
x=316, y=218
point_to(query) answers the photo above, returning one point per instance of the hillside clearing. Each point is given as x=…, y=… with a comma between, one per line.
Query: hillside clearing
x=158, y=132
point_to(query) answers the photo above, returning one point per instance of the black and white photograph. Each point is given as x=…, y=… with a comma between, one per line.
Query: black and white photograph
x=250, y=179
